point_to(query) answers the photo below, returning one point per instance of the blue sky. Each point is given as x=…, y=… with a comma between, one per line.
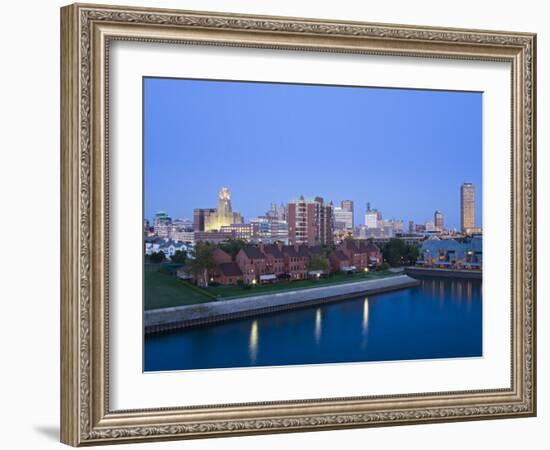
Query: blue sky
x=405, y=151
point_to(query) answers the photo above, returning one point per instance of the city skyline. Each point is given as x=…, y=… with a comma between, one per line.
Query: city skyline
x=201, y=135
x=438, y=218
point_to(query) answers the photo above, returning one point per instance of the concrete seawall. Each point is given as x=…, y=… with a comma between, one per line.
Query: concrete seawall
x=445, y=273
x=167, y=319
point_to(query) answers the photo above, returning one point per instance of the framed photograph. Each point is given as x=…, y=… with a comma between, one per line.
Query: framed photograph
x=274, y=224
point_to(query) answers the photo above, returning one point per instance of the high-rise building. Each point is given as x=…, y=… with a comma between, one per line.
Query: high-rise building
x=343, y=220
x=282, y=212
x=438, y=221
x=310, y=221
x=273, y=210
x=271, y=229
x=467, y=207
x=411, y=227
x=162, y=224
x=420, y=228
x=371, y=218
x=224, y=214
x=200, y=216
x=347, y=205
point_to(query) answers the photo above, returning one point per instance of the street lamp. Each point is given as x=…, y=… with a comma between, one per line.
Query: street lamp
x=254, y=282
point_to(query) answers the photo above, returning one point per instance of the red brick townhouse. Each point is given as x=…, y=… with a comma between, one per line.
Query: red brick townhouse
x=339, y=261
x=361, y=253
x=275, y=259
x=252, y=263
x=296, y=258
x=225, y=272
x=229, y=273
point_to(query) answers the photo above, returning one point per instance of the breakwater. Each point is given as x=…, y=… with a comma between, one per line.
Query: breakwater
x=168, y=319
x=446, y=273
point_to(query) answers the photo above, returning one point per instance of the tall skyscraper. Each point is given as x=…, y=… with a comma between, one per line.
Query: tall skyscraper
x=467, y=207
x=224, y=214
x=345, y=214
x=200, y=216
x=310, y=222
x=162, y=224
x=347, y=205
x=411, y=226
x=343, y=220
x=372, y=216
x=438, y=220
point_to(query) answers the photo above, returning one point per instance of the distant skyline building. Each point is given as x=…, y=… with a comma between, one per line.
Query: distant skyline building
x=372, y=216
x=343, y=219
x=439, y=221
x=467, y=207
x=271, y=229
x=411, y=226
x=347, y=205
x=244, y=231
x=162, y=224
x=310, y=221
x=277, y=211
x=200, y=215
x=223, y=215
x=420, y=228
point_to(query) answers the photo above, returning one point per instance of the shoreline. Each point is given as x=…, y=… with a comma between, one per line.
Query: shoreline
x=179, y=317
x=446, y=273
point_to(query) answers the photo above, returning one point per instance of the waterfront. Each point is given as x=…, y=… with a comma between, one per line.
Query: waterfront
x=441, y=318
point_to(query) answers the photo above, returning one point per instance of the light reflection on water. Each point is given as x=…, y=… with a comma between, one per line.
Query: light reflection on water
x=365, y=316
x=438, y=319
x=318, y=325
x=365, y=323
x=253, y=341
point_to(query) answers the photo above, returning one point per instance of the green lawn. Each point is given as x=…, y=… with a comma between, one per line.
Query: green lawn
x=229, y=292
x=163, y=290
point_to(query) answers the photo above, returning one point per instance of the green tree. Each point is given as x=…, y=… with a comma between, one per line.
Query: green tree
x=317, y=262
x=412, y=254
x=203, y=261
x=397, y=253
x=157, y=257
x=232, y=246
x=179, y=257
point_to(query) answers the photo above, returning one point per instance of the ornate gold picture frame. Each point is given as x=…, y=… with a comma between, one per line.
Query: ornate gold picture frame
x=87, y=31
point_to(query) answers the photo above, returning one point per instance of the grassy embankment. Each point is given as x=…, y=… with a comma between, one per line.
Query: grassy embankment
x=163, y=290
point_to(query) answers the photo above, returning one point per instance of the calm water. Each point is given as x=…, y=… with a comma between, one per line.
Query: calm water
x=439, y=319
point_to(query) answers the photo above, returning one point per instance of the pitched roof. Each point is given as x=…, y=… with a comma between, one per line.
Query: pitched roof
x=339, y=255
x=452, y=245
x=253, y=252
x=315, y=250
x=153, y=239
x=360, y=245
x=372, y=247
x=289, y=250
x=230, y=269
x=273, y=250
x=301, y=251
